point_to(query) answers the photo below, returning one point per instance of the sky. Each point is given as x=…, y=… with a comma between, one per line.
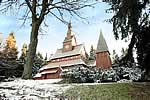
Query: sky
x=54, y=34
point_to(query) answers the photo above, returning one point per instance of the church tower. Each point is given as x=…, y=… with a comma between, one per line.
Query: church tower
x=70, y=41
x=103, y=60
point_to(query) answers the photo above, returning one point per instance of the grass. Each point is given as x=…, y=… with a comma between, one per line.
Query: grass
x=116, y=91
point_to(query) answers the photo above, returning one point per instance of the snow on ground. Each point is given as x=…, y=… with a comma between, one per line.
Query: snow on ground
x=36, y=89
x=32, y=89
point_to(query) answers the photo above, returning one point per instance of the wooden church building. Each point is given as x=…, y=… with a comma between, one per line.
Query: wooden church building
x=73, y=55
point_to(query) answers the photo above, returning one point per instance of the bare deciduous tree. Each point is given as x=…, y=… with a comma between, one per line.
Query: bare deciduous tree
x=38, y=9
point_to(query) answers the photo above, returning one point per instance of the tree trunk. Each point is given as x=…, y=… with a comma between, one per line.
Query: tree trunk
x=129, y=55
x=27, y=74
x=36, y=22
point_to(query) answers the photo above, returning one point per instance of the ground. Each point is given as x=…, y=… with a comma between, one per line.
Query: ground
x=32, y=89
x=113, y=91
x=49, y=90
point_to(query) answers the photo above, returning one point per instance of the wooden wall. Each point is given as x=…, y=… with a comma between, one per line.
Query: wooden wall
x=103, y=60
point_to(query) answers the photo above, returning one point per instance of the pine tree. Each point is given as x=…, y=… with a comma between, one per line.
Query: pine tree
x=92, y=53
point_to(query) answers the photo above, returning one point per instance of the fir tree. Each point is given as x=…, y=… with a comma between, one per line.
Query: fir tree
x=131, y=18
x=92, y=54
x=38, y=63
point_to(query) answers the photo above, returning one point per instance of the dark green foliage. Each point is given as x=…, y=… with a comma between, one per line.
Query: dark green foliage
x=92, y=53
x=38, y=63
x=45, y=57
x=131, y=17
x=143, y=50
x=9, y=65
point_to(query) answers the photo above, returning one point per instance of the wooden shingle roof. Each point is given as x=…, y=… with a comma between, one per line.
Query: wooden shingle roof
x=77, y=50
x=63, y=64
x=101, y=46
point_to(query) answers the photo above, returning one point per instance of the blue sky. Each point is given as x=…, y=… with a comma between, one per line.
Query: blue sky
x=56, y=30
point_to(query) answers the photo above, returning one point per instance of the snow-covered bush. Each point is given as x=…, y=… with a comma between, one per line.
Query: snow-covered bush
x=131, y=72
x=81, y=75
x=109, y=75
x=89, y=75
x=118, y=72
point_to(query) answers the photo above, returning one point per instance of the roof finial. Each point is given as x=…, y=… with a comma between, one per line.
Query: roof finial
x=69, y=25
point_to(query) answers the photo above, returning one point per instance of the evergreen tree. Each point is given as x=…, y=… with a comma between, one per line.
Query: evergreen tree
x=45, y=59
x=10, y=50
x=38, y=59
x=9, y=66
x=92, y=53
x=131, y=17
x=115, y=57
x=56, y=8
x=38, y=63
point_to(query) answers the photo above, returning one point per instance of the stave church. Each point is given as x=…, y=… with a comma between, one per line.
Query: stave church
x=73, y=55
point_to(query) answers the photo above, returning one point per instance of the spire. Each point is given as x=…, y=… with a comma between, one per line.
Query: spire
x=69, y=32
x=69, y=25
x=70, y=40
x=101, y=46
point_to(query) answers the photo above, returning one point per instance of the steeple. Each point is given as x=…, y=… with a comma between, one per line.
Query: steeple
x=70, y=40
x=101, y=46
x=103, y=60
x=69, y=25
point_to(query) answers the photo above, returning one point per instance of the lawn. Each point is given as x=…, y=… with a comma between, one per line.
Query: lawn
x=116, y=91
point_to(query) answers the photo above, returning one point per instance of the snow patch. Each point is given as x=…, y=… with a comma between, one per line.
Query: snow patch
x=32, y=89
